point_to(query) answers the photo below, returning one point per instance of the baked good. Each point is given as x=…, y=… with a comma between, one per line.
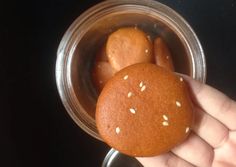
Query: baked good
x=101, y=73
x=128, y=46
x=144, y=110
x=162, y=54
x=101, y=54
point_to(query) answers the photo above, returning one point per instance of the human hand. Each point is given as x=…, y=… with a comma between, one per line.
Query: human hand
x=212, y=142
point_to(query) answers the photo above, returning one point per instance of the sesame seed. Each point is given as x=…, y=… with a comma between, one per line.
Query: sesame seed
x=132, y=110
x=141, y=84
x=117, y=130
x=181, y=79
x=148, y=37
x=100, y=82
x=165, y=123
x=129, y=94
x=165, y=117
x=126, y=77
x=167, y=57
x=146, y=51
x=187, y=130
x=143, y=88
x=178, y=104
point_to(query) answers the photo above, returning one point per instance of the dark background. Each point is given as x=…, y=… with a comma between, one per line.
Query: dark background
x=35, y=130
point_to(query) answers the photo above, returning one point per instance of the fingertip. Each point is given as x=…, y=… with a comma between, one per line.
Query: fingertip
x=196, y=151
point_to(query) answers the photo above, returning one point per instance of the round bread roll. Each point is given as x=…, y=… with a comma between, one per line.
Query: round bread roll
x=101, y=54
x=144, y=110
x=128, y=46
x=101, y=73
x=162, y=54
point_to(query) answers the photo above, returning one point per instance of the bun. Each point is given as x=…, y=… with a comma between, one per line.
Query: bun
x=144, y=110
x=128, y=46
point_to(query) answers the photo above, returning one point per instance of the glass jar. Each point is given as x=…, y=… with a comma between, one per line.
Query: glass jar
x=89, y=32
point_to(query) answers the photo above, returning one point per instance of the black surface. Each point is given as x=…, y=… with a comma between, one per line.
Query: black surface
x=35, y=130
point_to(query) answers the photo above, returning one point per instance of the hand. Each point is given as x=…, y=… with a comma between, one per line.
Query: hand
x=212, y=142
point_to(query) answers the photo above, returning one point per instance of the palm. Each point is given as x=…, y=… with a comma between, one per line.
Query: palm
x=213, y=140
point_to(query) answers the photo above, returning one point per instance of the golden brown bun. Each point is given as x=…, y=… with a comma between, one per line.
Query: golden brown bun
x=162, y=54
x=101, y=73
x=144, y=110
x=101, y=54
x=128, y=46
